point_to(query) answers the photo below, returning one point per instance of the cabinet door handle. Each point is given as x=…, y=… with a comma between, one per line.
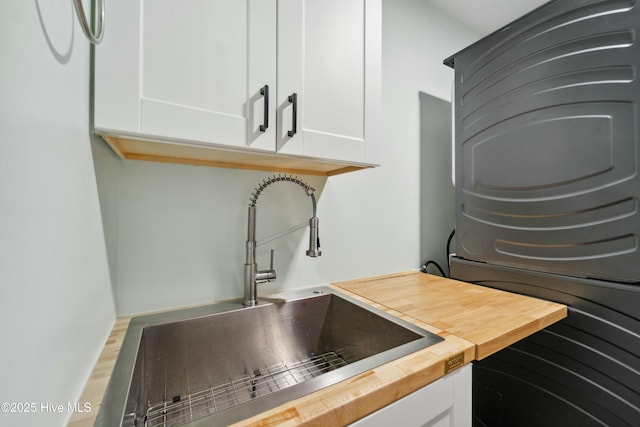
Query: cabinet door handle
x=293, y=99
x=265, y=121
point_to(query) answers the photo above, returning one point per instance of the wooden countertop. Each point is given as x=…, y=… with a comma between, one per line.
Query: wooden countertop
x=489, y=318
x=474, y=321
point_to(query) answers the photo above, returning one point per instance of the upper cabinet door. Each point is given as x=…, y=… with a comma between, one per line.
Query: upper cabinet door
x=205, y=66
x=329, y=56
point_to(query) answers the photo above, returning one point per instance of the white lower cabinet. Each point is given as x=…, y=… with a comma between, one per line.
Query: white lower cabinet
x=444, y=403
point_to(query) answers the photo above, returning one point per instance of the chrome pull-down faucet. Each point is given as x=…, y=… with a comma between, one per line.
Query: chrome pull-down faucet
x=253, y=276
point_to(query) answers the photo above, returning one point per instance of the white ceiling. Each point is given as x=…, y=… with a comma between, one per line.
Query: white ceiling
x=487, y=16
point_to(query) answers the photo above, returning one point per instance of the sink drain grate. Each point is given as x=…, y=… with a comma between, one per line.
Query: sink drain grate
x=183, y=409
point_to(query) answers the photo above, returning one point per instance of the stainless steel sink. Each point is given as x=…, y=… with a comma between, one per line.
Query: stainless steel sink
x=218, y=364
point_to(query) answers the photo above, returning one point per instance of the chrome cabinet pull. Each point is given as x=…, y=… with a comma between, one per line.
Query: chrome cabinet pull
x=293, y=99
x=265, y=122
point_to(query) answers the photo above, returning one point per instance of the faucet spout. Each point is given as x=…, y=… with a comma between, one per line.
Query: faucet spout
x=253, y=276
x=314, y=238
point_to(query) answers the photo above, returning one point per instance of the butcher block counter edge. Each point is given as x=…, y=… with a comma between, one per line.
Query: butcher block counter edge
x=358, y=396
x=490, y=318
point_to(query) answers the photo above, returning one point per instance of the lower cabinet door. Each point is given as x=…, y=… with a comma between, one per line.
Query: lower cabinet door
x=444, y=403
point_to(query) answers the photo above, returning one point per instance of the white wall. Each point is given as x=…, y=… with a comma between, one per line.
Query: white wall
x=176, y=233
x=56, y=304
x=416, y=100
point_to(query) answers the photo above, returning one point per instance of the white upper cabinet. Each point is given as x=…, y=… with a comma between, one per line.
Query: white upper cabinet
x=290, y=77
x=329, y=55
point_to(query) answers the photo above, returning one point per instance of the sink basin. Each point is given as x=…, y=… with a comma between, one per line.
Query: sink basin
x=218, y=364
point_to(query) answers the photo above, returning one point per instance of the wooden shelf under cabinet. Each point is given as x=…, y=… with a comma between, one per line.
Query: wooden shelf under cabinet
x=131, y=148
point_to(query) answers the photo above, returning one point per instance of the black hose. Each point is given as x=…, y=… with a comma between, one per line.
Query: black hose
x=432, y=262
x=424, y=267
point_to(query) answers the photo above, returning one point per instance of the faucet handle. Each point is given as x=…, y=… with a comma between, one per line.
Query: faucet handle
x=269, y=275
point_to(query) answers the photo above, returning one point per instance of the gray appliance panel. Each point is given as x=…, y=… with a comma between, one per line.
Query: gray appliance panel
x=546, y=140
x=581, y=371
